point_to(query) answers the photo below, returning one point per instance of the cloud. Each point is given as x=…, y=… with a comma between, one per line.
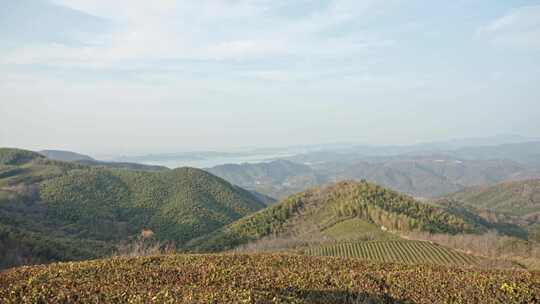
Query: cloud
x=147, y=31
x=519, y=28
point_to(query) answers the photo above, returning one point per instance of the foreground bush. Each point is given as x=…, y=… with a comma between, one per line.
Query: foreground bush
x=261, y=279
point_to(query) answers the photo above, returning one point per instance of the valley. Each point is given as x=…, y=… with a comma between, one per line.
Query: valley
x=140, y=221
x=269, y=152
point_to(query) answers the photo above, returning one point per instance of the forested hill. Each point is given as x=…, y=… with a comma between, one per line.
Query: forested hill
x=320, y=209
x=52, y=210
x=513, y=198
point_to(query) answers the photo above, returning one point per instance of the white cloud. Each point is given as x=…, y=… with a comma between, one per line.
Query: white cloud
x=520, y=28
x=200, y=30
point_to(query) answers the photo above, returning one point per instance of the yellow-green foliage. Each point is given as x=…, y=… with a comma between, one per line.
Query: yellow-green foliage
x=399, y=251
x=329, y=206
x=261, y=279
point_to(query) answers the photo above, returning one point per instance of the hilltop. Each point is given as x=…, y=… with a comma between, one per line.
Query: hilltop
x=51, y=210
x=262, y=279
x=338, y=208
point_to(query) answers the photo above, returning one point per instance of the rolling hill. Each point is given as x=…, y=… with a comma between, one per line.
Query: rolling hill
x=276, y=178
x=51, y=210
x=318, y=210
x=431, y=176
x=427, y=176
x=520, y=198
x=523, y=153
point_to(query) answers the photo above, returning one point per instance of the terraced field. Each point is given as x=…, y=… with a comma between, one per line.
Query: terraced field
x=399, y=251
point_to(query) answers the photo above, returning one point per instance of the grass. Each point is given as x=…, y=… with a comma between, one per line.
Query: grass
x=261, y=279
x=399, y=251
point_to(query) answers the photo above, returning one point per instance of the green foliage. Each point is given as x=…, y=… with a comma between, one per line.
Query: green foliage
x=178, y=204
x=329, y=206
x=262, y=279
x=77, y=205
x=9, y=156
x=517, y=198
x=393, y=210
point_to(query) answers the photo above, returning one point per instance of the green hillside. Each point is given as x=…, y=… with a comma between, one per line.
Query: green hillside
x=397, y=251
x=262, y=279
x=52, y=210
x=513, y=198
x=317, y=210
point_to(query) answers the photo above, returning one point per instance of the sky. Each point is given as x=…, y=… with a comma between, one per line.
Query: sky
x=138, y=76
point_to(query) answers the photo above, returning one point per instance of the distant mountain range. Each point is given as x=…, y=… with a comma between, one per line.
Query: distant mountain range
x=276, y=178
x=53, y=210
x=526, y=153
x=518, y=198
x=316, y=153
x=65, y=155
x=421, y=175
x=69, y=156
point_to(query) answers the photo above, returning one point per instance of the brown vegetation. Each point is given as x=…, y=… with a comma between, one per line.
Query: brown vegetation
x=491, y=245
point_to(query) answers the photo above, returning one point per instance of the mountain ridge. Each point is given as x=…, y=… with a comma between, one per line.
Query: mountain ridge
x=52, y=210
x=320, y=208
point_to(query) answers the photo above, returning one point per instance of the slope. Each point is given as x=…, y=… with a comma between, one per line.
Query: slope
x=317, y=210
x=53, y=210
x=514, y=198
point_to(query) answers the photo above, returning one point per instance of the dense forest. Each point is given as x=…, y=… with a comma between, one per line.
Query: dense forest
x=52, y=210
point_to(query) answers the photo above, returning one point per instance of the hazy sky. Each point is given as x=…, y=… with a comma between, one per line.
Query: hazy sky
x=147, y=76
